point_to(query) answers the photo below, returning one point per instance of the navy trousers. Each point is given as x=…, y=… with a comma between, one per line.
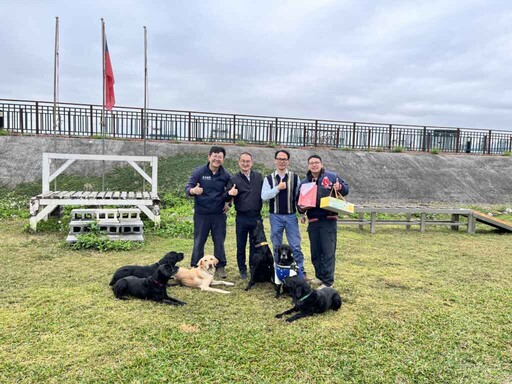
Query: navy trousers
x=244, y=228
x=322, y=239
x=203, y=225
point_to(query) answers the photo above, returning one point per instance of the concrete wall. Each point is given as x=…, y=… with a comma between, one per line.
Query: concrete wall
x=374, y=178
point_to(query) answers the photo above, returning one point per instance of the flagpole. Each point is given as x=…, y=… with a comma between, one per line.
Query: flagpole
x=145, y=122
x=145, y=117
x=103, y=113
x=55, y=90
x=55, y=76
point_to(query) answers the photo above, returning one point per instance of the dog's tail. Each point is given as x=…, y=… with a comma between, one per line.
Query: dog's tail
x=336, y=302
x=113, y=281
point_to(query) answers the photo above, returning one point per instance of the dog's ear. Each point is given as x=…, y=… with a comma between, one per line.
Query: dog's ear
x=200, y=263
x=215, y=260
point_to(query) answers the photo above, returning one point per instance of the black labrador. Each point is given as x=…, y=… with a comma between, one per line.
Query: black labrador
x=308, y=301
x=285, y=267
x=152, y=288
x=262, y=267
x=145, y=270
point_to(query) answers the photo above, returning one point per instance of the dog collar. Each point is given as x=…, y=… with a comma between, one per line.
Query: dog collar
x=305, y=297
x=260, y=245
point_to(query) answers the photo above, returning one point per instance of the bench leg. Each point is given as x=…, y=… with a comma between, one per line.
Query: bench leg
x=423, y=220
x=372, y=221
x=455, y=219
x=360, y=216
x=43, y=214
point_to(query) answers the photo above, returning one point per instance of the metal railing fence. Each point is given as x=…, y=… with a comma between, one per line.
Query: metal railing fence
x=81, y=120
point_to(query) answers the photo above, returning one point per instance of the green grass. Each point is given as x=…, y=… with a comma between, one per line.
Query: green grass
x=429, y=307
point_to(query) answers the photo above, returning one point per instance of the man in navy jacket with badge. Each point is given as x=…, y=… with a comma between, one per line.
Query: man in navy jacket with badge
x=323, y=224
x=207, y=186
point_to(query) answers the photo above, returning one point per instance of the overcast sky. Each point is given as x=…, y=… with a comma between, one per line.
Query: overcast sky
x=446, y=63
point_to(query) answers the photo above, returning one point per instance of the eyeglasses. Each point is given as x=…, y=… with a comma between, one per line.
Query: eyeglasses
x=281, y=159
x=314, y=162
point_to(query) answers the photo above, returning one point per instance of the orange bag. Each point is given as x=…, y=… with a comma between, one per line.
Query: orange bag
x=307, y=195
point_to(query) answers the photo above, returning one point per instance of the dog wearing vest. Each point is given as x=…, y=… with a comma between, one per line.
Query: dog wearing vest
x=284, y=267
x=307, y=301
x=262, y=263
x=152, y=288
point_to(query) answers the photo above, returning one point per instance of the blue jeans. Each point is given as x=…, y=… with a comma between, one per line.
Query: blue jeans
x=203, y=225
x=290, y=224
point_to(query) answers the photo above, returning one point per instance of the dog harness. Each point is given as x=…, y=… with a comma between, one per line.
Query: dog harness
x=284, y=271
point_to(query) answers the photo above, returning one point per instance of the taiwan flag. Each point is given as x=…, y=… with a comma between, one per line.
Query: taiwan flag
x=110, y=99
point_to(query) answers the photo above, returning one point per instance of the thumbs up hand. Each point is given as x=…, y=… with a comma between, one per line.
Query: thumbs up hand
x=233, y=191
x=281, y=186
x=197, y=190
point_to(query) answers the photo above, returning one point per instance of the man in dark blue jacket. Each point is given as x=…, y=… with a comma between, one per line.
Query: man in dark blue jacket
x=208, y=187
x=323, y=224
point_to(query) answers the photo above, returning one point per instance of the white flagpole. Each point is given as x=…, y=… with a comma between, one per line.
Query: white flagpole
x=55, y=90
x=56, y=76
x=103, y=112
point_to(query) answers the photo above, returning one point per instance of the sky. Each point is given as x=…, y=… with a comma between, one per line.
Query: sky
x=434, y=63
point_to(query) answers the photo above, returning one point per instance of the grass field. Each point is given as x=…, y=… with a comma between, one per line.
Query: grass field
x=431, y=307
x=418, y=308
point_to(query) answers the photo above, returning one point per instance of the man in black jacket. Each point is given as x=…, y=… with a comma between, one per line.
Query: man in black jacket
x=207, y=186
x=245, y=188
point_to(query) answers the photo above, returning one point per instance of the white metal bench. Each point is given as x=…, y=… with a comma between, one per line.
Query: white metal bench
x=148, y=202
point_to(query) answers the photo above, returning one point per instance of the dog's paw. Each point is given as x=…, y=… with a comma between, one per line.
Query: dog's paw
x=279, y=316
x=229, y=284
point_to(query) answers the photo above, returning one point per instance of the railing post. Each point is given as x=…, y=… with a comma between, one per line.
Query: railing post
x=316, y=134
x=91, y=119
x=277, y=128
x=424, y=146
x=484, y=148
x=369, y=138
x=337, y=137
x=390, y=136
x=489, y=144
x=353, y=135
x=113, y=124
x=234, y=129
x=190, y=126
x=69, y=122
x=457, y=144
x=21, y=120
x=37, y=118
x=142, y=125
x=304, y=136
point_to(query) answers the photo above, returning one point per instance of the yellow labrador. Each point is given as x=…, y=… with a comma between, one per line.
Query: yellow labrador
x=201, y=276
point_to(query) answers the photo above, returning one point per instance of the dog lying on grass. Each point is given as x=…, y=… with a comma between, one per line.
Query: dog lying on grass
x=145, y=270
x=284, y=267
x=308, y=301
x=201, y=276
x=262, y=268
x=152, y=288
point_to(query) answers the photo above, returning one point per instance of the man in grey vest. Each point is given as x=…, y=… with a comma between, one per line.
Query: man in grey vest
x=281, y=189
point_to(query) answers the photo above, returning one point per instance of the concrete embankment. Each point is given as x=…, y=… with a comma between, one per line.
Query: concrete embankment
x=374, y=177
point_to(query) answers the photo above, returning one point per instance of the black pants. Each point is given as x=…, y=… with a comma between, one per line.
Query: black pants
x=322, y=239
x=203, y=225
x=244, y=227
